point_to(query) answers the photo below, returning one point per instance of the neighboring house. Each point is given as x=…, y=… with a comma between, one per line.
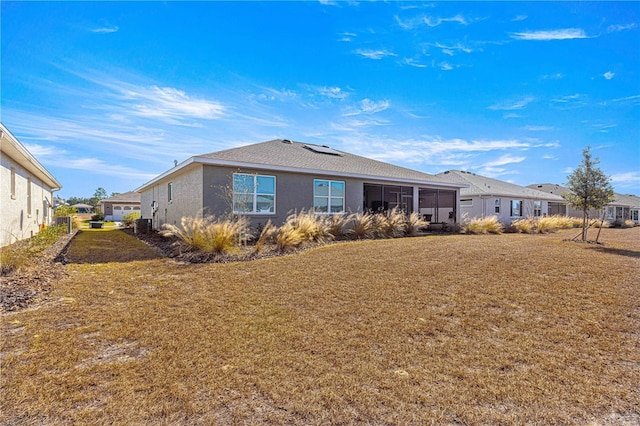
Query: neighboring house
x=623, y=207
x=26, y=191
x=83, y=208
x=117, y=207
x=485, y=196
x=270, y=180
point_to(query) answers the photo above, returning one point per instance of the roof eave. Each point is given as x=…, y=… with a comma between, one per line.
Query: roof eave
x=241, y=164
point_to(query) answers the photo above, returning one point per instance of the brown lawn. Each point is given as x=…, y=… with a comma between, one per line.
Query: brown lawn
x=455, y=330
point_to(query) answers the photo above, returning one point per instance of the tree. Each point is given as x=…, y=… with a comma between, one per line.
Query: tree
x=589, y=188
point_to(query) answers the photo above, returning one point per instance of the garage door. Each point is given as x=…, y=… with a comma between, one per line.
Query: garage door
x=117, y=213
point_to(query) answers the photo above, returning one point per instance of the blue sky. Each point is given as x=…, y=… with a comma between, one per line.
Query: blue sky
x=110, y=94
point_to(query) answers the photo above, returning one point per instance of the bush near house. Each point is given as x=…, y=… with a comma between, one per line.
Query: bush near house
x=128, y=219
x=19, y=255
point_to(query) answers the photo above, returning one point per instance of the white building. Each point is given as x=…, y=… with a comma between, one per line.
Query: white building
x=26, y=191
x=485, y=196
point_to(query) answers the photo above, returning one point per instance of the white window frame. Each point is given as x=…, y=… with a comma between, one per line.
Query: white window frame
x=254, y=193
x=537, y=208
x=170, y=192
x=466, y=202
x=329, y=197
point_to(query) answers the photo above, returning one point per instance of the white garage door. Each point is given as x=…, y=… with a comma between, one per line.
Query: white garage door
x=117, y=213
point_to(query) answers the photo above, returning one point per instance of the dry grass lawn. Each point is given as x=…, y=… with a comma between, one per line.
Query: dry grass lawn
x=454, y=330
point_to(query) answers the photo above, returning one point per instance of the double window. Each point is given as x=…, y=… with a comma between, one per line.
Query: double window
x=497, y=206
x=328, y=196
x=537, y=208
x=254, y=193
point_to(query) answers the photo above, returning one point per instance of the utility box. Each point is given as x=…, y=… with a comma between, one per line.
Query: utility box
x=65, y=221
x=142, y=226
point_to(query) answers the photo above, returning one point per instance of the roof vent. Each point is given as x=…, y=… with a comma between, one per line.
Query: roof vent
x=287, y=141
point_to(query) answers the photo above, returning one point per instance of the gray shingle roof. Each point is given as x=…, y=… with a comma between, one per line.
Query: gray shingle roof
x=127, y=197
x=481, y=185
x=284, y=154
x=629, y=200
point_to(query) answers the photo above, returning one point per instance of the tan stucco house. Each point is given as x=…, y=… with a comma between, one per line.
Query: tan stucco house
x=26, y=191
x=117, y=207
x=270, y=180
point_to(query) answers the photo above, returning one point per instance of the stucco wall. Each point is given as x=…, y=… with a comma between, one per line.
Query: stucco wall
x=294, y=192
x=186, y=200
x=482, y=207
x=15, y=221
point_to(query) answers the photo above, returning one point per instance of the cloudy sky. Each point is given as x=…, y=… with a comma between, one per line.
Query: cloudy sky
x=109, y=94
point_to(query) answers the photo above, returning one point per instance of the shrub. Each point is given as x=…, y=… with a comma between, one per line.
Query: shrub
x=415, y=222
x=129, y=218
x=18, y=255
x=65, y=211
x=209, y=234
x=393, y=224
x=360, y=225
x=311, y=226
x=486, y=225
x=289, y=237
x=524, y=226
x=97, y=216
x=337, y=225
x=267, y=234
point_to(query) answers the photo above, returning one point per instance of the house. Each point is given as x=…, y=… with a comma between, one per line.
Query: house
x=485, y=196
x=26, y=191
x=270, y=180
x=117, y=207
x=83, y=208
x=622, y=208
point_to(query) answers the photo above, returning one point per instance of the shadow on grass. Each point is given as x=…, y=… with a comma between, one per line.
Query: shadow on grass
x=104, y=246
x=619, y=252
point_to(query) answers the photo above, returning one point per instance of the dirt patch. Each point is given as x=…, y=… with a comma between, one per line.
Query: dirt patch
x=22, y=289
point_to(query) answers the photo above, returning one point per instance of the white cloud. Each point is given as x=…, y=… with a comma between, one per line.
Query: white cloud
x=626, y=178
x=608, y=75
x=374, y=54
x=367, y=106
x=538, y=128
x=563, y=34
x=106, y=29
x=450, y=49
x=170, y=103
x=414, y=63
x=556, y=76
x=616, y=28
x=346, y=37
x=504, y=160
x=434, y=22
x=40, y=150
x=512, y=105
x=333, y=92
x=445, y=66
x=519, y=18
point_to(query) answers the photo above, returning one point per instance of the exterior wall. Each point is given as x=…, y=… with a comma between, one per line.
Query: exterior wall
x=186, y=198
x=482, y=207
x=294, y=192
x=15, y=221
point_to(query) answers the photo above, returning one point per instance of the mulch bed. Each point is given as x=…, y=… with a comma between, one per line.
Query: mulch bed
x=22, y=289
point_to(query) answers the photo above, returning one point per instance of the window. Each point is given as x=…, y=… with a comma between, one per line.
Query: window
x=516, y=208
x=537, y=208
x=170, y=191
x=254, y=193
x=28, y=196
x=467, y=202
x=13, y=183
x=497, y=207
x=328, y=196
x=127, y=208
x=117, y=208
